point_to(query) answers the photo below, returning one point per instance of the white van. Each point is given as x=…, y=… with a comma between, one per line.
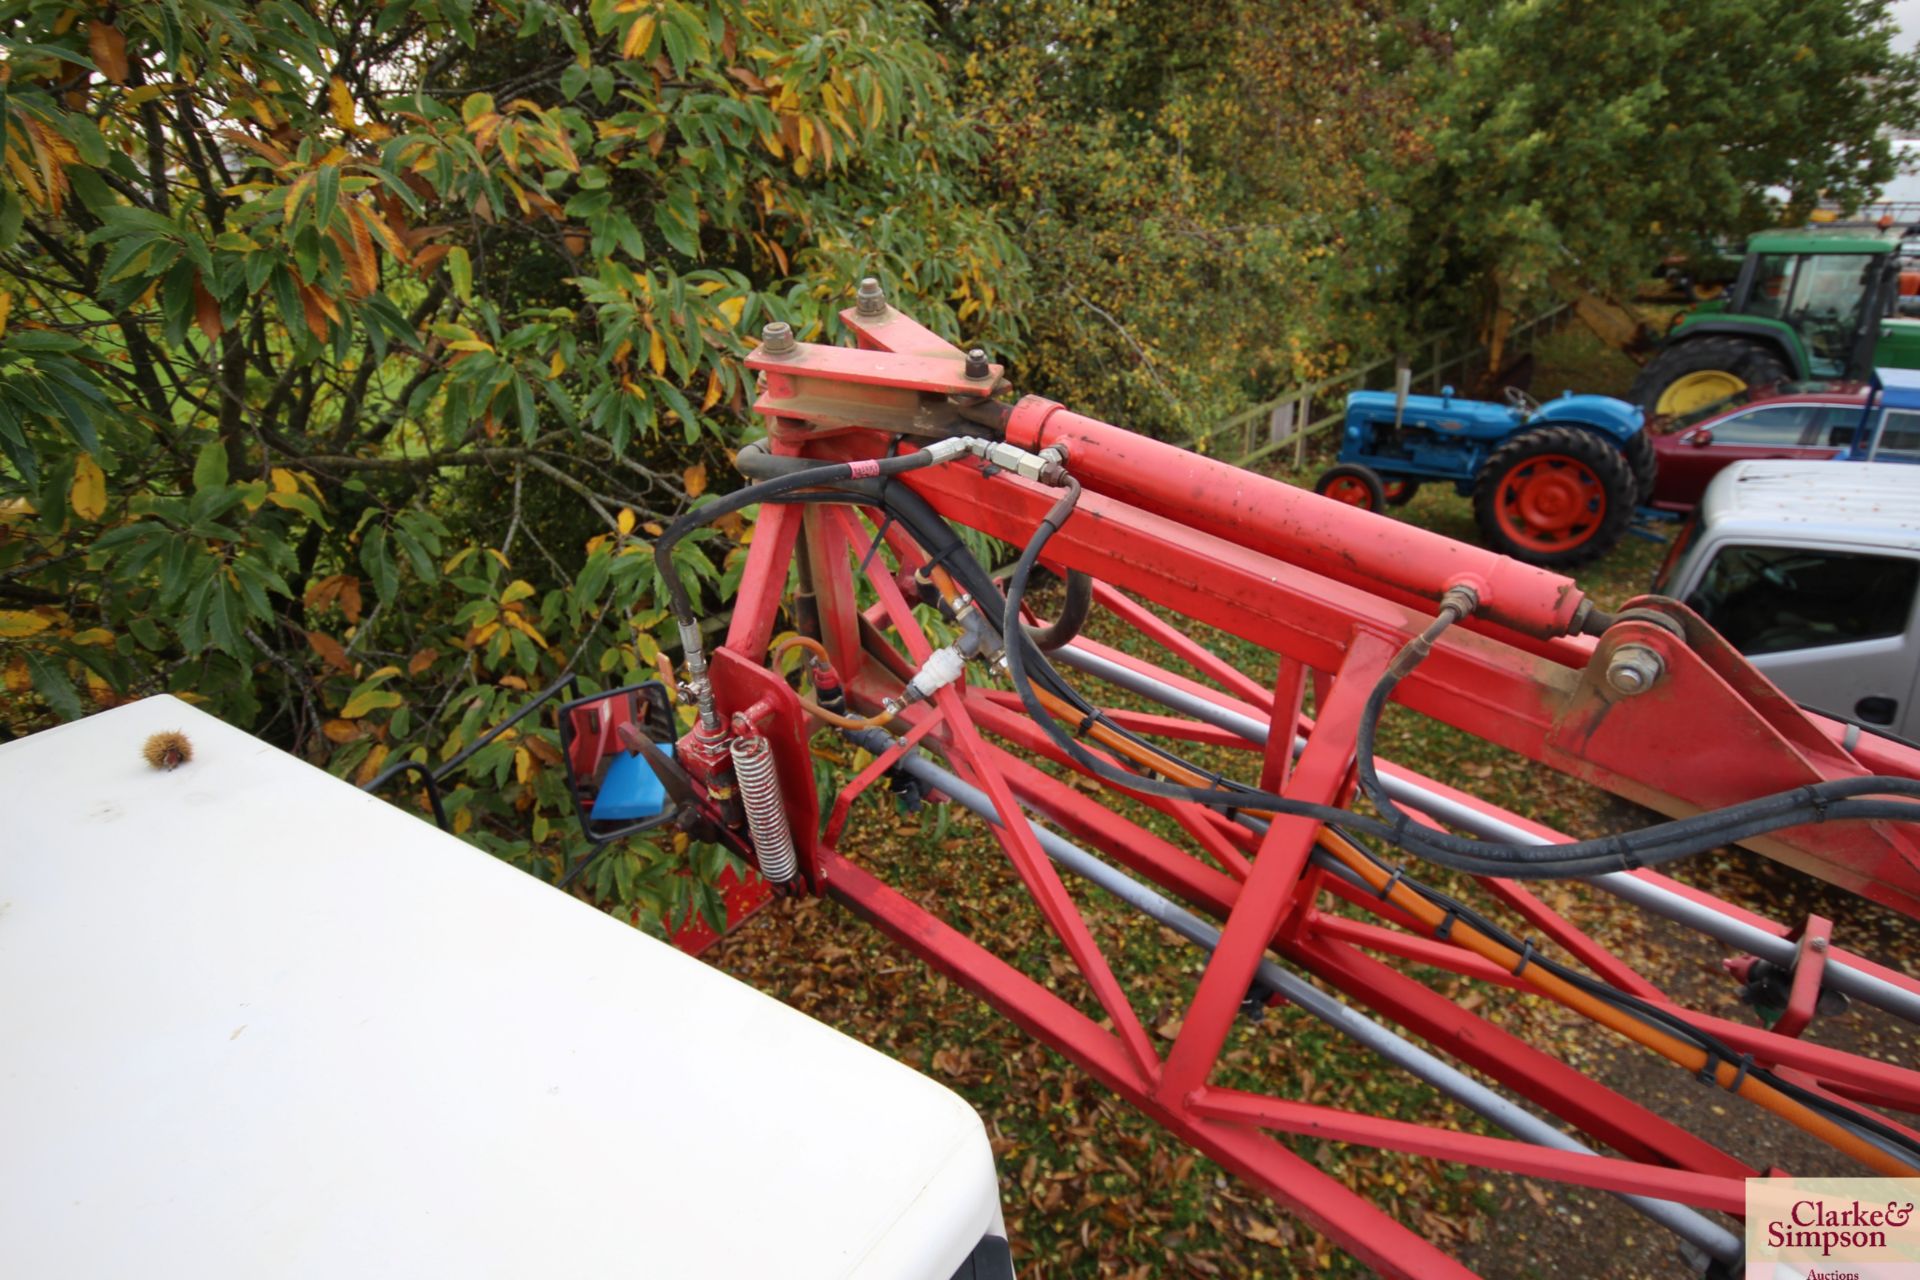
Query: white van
x=257, y=1025
x=1812, y=570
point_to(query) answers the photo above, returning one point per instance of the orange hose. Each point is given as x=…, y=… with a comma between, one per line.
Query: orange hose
x=797, y=641
x=813, y=708
x=1548, y=984
x=1661, y=1042
x=834, y=718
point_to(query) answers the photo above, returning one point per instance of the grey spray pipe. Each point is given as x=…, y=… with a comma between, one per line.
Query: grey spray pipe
x=1687, y=1223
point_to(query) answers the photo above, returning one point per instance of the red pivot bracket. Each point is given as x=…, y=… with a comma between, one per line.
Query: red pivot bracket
x=1790, y=999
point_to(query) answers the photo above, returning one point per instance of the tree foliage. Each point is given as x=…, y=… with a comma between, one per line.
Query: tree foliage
x=1193, y=193
x=1573, y=142
x=352, y=352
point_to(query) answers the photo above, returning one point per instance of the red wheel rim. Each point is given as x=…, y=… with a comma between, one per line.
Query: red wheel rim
x=1394, y=490
x=1349, y=490
x=1550, y=503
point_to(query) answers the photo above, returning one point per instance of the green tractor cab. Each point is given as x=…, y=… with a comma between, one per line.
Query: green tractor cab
x=1807, y=306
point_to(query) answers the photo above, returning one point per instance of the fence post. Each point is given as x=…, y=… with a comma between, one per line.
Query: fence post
x=1280, y=423
x=1300, y=438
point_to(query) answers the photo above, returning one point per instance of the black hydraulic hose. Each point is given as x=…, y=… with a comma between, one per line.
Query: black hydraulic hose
x=808, y=478
x=908, y=509
x=1660, y=843
x=432, y=778
x=1073, y=614
x=1665, y=1019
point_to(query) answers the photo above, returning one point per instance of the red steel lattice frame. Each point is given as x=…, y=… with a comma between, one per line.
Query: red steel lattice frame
x=1332, y=594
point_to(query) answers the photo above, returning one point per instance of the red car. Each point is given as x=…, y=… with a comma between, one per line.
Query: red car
x=1814, y=425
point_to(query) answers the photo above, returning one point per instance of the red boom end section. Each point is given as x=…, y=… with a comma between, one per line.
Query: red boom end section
x=1325, y=596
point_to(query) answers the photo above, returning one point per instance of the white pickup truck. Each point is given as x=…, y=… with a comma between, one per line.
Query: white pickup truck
x=255, y=1023
x=1812, y=569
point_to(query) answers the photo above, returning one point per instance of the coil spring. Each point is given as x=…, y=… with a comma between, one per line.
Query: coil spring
x=766, y=816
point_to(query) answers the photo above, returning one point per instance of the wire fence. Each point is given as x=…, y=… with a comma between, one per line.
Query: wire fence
x=1289, y=419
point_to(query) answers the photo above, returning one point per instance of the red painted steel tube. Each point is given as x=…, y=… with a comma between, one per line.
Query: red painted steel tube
x=1323, y=775
x=1861, y=1077
x=1589, y=1106
x=1291, y=524
x=1728, y=1195
x=1561, y=930
x=1357, y=1224
x=1220, y=839
x=1183, y=646
x=1013, y=832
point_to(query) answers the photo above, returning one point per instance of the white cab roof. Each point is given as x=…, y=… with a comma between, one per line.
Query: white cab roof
x=1867, y=504
x=254, y=1023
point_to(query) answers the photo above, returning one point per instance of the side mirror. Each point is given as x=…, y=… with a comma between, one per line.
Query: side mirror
x=618, y=749
x=1701, y=438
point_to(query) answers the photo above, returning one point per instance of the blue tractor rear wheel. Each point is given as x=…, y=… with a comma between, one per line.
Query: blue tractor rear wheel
x=1353, y=484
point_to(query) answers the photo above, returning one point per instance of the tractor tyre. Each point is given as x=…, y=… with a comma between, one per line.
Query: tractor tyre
x=1399, y=492
x=1554, y=496
x=1644, y=465
x=1353, y=484
x=1694, y=373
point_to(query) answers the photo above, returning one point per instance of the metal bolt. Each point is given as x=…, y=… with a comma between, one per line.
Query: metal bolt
x=977, y=363
x=1818, y=944
x=1634, y=668
x=870, y=299
x=777, y=338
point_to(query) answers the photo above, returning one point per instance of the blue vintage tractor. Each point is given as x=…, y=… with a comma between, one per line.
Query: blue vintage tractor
x=1551, y=484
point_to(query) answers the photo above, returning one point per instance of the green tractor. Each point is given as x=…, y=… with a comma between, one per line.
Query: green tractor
x=1806, y=307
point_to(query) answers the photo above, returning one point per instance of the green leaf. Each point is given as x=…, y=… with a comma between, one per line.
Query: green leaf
x=145, y=632
x=51, y=683
x=377, y=558
x=460, y=267
x=226, y=615
x=210, y=467
x=326, y=195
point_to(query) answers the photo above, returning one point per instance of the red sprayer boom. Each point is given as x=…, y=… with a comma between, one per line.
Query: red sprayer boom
x=878, y=455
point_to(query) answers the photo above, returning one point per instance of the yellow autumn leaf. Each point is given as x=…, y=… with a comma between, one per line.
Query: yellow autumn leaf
x=696, y=479
x=371, y=765
x=731, y=308
x=557, y=365
x=518, y=589
x=713, y=391
x=88, y=496
x=639, y=36
x=625, y=520
x=342, y=103
x=520, y=624
x=284, y=481
x=6, y=309
x=522, y=764
x=19, y=677
x=371, y=700
x=657, y=353
x=15, y=623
